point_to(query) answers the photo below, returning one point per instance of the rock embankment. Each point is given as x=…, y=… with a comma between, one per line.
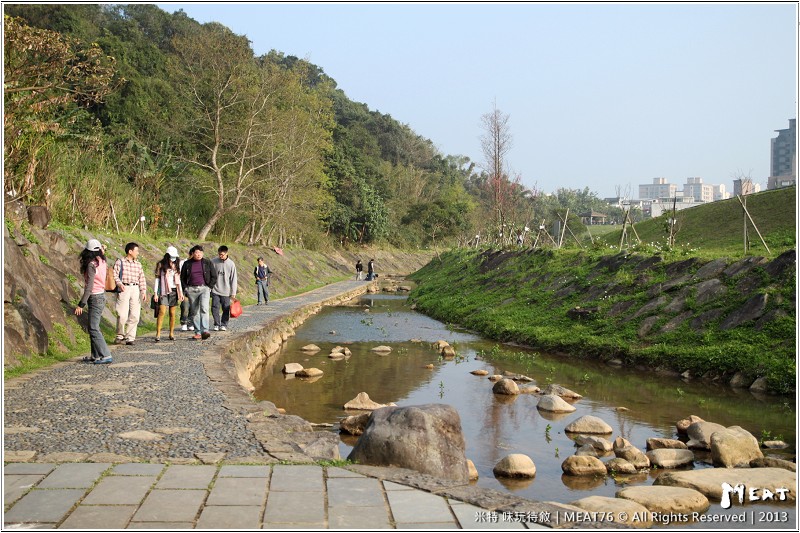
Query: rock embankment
x=663, y=313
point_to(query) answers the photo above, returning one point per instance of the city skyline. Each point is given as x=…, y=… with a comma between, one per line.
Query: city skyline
x=598, y=95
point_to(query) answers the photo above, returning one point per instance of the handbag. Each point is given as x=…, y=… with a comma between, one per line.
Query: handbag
x=154, y=306
x=111, y=282
x=236, y=308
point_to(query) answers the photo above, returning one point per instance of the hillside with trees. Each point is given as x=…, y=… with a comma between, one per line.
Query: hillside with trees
x=120, y=115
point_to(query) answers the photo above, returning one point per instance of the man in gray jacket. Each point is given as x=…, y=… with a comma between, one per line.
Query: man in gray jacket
x=225, y=288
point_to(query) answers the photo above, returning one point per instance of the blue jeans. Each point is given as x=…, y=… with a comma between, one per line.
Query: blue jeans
x=217, y=301
x=96, y=304
x=262, y=289
x=198, y=307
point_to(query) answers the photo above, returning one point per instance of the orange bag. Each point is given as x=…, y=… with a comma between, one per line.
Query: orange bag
x=236, y=309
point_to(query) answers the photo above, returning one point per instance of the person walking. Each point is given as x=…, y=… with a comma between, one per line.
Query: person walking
x=371, y=270
x=224, y=290
x=198, y=276
x=359, y=270
x=262, y=274
x=129, y=302
x=94, y=269
x=167, y=291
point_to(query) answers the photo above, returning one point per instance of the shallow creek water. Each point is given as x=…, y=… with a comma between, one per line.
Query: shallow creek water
x=495, y=426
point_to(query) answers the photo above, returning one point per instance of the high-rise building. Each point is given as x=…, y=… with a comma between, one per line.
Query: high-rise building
x=783, y=157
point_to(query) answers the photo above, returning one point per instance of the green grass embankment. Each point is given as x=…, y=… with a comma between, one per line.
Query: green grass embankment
x=717, y=228
x=524, y=297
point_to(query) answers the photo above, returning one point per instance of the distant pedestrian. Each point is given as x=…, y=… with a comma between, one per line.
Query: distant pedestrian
x=359, y=270
x=224, y=290
x=130, y=300
x=262, y=275
x=94, y=268
x=198, y=276
x=371, y=270
x=167, y=291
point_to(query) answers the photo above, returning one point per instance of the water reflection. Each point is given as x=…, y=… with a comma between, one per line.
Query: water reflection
x=496, y=425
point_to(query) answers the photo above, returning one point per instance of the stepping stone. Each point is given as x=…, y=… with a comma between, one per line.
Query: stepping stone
x=709, y=480
x=140, y=434
x=19, y=456
x=662, y=499
x=625, y=511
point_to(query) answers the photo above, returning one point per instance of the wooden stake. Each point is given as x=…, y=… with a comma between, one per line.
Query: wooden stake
x=746, y=212
x=573, y=234
x=114, y=215
x=561, y=239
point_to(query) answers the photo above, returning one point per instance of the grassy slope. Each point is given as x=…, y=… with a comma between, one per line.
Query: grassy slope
x=512, y=297
x=717, y=228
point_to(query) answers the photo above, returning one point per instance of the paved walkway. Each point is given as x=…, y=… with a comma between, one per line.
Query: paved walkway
x=157, y=496
x=73, y=431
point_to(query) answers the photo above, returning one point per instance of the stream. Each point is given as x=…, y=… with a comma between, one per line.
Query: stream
x=495, y=426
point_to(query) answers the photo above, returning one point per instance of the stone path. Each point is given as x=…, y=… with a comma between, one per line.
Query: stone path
x=118, y=446
x=154, y=402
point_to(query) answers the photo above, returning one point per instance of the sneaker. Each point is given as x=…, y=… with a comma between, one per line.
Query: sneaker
x=197, y=336
x=87, y=359
x=216, y=328
x=103, y=361
x=129, y=343
x=119, y=341
x=223, y=328
x=191, y=328
x=205, y=335
x=184, y=327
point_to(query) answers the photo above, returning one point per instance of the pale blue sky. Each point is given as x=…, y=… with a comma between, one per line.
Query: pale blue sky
x=598, y=94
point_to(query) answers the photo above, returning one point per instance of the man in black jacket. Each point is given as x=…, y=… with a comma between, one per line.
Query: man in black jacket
x=198, y=276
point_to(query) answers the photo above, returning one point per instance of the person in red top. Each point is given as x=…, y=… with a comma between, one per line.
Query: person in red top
x=129, y=301
x=93, y=268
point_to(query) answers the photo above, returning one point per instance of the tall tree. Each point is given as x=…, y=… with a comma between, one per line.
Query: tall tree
x=231, y=102
x=496, y=142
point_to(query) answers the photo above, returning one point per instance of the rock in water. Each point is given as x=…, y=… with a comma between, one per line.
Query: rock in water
x=426, y=438
x=292, y=368
x=363, y=402
x=515, y=465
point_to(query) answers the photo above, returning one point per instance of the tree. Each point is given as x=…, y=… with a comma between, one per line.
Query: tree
x=496, y=142
x=49, y=80
x=230, y=100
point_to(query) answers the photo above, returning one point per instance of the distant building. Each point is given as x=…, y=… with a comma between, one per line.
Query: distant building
x=698, y=190
x=783, y=158
x=658, y=189
x=720, y=193
x=592, y=218
x=744, y=187
x=665, y=205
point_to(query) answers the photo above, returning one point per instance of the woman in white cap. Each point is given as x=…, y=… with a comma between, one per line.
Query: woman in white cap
x=94, y=268
x=167, y=292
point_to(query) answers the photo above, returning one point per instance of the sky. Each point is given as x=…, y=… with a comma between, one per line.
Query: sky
x=598, y=95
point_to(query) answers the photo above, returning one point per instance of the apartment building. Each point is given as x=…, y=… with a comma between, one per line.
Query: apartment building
x=783, y=157
x=660, y=188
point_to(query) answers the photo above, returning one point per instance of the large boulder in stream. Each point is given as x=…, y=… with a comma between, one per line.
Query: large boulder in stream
x=426, y=438
x=734, y=446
